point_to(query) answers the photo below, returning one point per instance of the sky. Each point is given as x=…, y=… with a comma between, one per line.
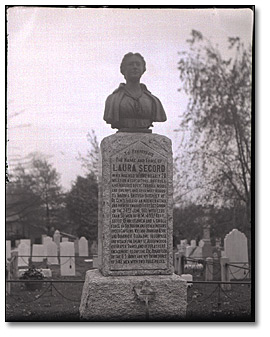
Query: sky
x=64, y=62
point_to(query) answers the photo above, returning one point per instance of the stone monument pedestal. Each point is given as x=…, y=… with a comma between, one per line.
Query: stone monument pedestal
x=135, y=280
x=123, y=298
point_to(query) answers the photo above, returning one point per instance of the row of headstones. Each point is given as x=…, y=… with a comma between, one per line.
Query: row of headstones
x=67, y=258
x=49, y=249
x=235, y=249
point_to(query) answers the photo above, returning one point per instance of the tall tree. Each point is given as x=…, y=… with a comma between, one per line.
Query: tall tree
x=82, y=206
x=34, y=195
x=215, y=156
x=90, y=161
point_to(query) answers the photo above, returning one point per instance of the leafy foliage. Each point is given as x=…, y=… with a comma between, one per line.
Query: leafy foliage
x=32, y=273
x=34, y=197
x=82, y=206
x=215, y=152
x=90, y=161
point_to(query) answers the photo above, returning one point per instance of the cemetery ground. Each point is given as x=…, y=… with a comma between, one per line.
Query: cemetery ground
x=60, y=301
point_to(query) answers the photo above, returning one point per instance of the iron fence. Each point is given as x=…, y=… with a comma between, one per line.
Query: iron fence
x=206, y=300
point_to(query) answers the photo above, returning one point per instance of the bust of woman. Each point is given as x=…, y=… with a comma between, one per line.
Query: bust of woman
x=131, y=107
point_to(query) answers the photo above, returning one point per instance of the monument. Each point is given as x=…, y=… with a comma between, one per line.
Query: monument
x=135, y=279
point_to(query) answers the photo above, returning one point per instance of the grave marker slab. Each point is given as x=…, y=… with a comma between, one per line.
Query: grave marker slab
x=193, y=243
x=57, y=238
x=67, y=259
x=24, y=251
x=83, y=246
x=52, y=253
x=236, y=249
x=26, y=241
x=38, y=253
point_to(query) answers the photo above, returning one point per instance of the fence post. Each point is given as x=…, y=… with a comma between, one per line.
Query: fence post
x=225, y=272
x=176, y=263
x=8, y=277
x=209, y=269
x=181, y=263
x=14, y=265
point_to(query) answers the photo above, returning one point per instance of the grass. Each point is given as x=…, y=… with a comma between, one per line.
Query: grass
x=60, y=302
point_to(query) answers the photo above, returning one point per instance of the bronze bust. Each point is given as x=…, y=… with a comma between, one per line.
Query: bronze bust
x=132, y=107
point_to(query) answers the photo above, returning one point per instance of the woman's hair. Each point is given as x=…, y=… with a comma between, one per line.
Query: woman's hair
x=128, y=55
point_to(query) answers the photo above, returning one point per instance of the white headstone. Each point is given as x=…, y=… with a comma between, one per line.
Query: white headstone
x=43, y=236
x=52, y=253
x=26, y=241
x=83, y=246
x=193, y=243
x=236, y=249
x=57, y=238
x=65, y=240
x=38, y=253
x=201, y=243
x=46, y=241
x=8, y=249
x=197, y=253
x=189, y=250
x=24, y=251
x=67, y=259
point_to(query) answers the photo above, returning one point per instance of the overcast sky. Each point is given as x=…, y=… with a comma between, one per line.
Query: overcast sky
x=64, y=62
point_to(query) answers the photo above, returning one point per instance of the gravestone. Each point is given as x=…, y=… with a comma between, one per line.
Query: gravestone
x=135, y=233
x=24, y=251
x=189, y=250
x=197, y=253
x=57, y=238
x=43, y=236
x=236, y=249
x=8, y=249
x=38, y=253
x=26, y=241
x=207, y=249
x=193, y=243
x=65, y=239
x=52, y=253
x=67, y=259
x=201, y=243
x=83, y=246
x=46, y=241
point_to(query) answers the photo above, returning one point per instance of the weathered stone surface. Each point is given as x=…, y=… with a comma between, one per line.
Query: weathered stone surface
x=113, y=298
x=136, y=203
x=83, y=247
x=38, y=253
x=24, y=252
x=52, y=253
x=67, y=259
x=236, y=249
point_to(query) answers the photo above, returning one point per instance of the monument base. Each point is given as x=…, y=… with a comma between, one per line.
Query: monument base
x=133, y=298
